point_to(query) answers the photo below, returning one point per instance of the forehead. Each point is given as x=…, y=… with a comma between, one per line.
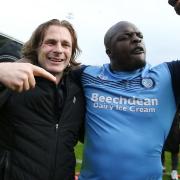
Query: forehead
x=118, y=29
x=124, y=28
x=58, y=33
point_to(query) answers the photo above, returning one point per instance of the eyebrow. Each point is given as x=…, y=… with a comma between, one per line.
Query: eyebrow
x=136, y=32
x=52, y=39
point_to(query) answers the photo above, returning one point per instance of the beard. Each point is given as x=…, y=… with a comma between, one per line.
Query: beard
x=136, y=65
x=127, y=66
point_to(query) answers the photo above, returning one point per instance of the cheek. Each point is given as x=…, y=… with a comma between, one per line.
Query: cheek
x=41, y=56
x=44, y=49
x=69, y=52
x=121, y=47
x=68, y=56
x=120, y=52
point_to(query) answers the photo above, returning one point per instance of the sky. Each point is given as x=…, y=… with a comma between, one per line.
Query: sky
x=156, y=19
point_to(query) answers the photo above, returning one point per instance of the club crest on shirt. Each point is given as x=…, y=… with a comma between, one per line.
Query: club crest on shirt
x=147, y=83
x=102, y=77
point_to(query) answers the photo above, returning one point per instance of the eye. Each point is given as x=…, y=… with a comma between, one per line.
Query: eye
x=140, y=35
x=66, y=44
x=123, y=37
x=50, y=42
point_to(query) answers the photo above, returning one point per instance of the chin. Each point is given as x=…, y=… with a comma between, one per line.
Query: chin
x=137, y=65
x=56, y=69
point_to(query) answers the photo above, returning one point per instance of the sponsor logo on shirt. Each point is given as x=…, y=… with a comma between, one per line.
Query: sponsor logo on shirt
x=132, y=104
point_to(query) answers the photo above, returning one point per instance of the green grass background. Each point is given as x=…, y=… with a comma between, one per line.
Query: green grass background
x=78, y=152
x=168, y=166
x=79, y=149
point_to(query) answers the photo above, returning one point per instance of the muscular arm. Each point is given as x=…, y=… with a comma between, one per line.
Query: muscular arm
x=20, y=76
x=174, y=68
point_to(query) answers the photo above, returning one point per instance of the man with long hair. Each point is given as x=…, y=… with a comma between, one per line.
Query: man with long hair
x=40, y=126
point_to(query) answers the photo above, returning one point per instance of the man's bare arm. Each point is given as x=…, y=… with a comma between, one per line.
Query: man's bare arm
x=20, y=76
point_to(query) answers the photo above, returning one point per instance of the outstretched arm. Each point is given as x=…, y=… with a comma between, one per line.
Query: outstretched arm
x=176, y=5
x=174, y=67
x=20, y=76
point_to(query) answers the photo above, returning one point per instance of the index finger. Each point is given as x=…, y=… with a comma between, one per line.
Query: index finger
x=38, y=71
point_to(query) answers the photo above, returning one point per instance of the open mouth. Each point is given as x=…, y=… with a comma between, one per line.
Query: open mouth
x=55, y=59
x=138, y=50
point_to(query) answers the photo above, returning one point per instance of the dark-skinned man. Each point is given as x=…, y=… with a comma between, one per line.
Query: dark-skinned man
x=130, y=109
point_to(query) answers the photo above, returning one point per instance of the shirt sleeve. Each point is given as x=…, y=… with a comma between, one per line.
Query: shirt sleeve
x=174, y=68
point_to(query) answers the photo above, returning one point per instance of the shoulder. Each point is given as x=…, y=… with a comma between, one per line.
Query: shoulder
x=77, y=72
x=74, y=73
x=160, y=69
x=93, y=69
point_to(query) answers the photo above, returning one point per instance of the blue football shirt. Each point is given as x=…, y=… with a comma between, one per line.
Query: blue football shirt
x=128, y=118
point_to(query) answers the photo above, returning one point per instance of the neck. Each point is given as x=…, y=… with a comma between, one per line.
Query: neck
x=58, y=77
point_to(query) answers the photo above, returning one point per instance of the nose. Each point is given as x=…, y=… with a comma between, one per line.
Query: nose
x=136, y=39
x=58, y=47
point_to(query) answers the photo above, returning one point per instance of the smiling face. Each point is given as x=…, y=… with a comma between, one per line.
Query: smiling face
x=125, y=47
x=55, y=51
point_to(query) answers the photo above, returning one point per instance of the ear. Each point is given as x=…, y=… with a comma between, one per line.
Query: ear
x=108, y=52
